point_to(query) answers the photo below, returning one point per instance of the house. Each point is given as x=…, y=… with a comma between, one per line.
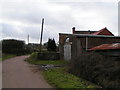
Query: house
x=82, y=31
x=103, y=31
x=72, y=45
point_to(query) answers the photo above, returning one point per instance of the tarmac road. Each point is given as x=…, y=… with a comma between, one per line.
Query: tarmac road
x=16, y=73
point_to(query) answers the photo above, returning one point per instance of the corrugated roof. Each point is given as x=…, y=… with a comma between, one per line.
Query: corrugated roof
x=106, y=47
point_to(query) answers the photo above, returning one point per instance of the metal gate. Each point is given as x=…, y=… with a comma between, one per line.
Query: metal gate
x=67, y=52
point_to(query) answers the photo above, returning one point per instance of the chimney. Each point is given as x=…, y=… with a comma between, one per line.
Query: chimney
x=89, y=32
x=73, y=30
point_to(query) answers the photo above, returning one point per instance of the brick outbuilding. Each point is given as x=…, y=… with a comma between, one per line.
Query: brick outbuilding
x=72, y=45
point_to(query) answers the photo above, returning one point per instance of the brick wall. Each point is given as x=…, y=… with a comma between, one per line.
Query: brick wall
x=79, y=43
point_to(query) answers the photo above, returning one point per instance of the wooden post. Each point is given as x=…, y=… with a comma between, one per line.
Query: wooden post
x=28, y=38
x=41, y=34
x=86, y=43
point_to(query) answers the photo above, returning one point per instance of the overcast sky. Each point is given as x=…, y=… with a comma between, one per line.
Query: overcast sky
x=22, y=17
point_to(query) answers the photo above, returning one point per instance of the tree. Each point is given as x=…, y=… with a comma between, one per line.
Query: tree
x=51, y=45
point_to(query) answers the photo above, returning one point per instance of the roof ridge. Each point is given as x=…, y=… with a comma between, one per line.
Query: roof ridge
x=102, y=30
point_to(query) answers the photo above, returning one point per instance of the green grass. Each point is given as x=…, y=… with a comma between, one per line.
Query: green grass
x=58, y=77
x=32, y=61
x=61, y=79
x=6, y=56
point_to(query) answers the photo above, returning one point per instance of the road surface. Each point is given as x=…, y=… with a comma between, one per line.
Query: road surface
x=19, y=74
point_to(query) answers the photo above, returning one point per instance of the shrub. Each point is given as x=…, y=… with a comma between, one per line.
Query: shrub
x=34, y=56
x=12, y=46
x=97, y=68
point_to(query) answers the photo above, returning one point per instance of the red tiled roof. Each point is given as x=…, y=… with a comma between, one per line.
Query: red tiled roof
x=106, y=47
x=103, y=31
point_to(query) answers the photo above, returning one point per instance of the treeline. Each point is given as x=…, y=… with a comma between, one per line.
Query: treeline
x=17, y=47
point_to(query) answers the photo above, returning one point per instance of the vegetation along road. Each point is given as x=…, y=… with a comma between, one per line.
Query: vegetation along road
x=19, y=74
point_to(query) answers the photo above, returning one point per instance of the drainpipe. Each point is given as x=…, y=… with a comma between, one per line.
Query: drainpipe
x=86, y=43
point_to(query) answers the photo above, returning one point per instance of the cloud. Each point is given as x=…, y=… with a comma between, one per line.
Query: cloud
x=20, y=18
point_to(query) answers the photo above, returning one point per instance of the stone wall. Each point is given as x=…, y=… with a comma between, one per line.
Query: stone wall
x=48, y=56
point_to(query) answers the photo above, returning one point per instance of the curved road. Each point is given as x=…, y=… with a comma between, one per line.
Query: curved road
x=19, y=74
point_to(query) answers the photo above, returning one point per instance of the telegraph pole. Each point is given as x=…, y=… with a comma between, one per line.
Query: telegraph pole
x=28, y=38
x=41, y=34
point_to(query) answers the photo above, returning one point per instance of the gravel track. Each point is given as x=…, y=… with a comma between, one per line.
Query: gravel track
x=16, y=73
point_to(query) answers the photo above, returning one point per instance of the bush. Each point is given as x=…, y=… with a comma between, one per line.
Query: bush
x=97, y=68
x=34, y=56
x=12, y=46
x=16, y=47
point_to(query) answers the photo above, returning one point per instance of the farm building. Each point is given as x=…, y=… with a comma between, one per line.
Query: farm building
x=106, y=49
x=72, y=45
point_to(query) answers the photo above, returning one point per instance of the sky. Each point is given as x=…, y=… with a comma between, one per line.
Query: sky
x=20, y=18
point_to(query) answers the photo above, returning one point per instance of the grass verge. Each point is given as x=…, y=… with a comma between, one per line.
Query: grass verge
x=61, y=79
x=58, y=77
x=6, y=56
x=32, y=61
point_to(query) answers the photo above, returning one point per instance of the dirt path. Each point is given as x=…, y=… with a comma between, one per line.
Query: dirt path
x=19, y=74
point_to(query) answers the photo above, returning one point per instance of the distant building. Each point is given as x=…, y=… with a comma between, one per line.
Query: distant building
x=72, y=45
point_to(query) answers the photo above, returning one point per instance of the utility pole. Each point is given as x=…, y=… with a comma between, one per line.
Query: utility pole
x=41, y=34
x=28, y=38
x=86, y=43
